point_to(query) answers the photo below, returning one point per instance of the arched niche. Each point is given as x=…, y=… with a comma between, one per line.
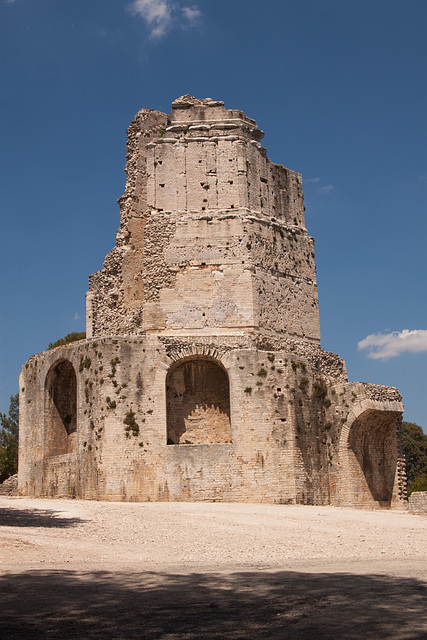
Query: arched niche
x=198, y=402
x=372, y=457
x=60, y=409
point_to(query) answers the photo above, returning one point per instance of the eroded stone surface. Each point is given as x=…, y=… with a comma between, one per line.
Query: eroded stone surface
x=212, y=233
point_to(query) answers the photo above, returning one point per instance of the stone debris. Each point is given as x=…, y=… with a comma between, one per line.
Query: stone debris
x=9, y=487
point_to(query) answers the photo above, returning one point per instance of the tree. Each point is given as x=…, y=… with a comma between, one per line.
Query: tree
x=70, y=337
x=9, y=439
x=415, y=448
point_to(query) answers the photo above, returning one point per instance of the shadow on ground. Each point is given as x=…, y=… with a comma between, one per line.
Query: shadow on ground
x=239, y=606
x=35, y=518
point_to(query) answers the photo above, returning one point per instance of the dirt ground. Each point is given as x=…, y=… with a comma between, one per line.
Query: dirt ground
x=183, y=571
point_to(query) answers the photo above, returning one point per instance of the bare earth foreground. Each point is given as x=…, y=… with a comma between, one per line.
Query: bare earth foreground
x=75, y=569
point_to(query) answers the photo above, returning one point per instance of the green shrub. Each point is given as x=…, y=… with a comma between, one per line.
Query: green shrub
x=70, y=337
x=9, y=434
x=418, y=484
x=415, y=450
x=132, y=427
x=303, y=383
x=320, y=390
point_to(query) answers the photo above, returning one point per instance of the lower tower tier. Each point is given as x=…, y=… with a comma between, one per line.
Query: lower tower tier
x=214, y=418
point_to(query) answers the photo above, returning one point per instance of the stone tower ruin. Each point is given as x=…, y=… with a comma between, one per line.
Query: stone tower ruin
x=202, y=376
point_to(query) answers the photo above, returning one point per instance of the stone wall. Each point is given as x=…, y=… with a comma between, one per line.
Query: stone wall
x=284, y=436
x=418, y=503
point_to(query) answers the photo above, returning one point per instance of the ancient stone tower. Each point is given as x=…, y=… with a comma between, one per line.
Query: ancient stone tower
x=202, y=376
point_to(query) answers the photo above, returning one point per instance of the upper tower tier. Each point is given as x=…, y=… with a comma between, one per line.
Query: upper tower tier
x=210, y=158
x=212, y=237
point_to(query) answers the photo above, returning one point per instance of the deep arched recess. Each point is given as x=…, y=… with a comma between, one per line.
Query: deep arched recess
x=372, y=448
x=198, y=402
x=60, y=409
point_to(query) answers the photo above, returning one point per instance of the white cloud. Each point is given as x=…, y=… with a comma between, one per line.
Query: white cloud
x=161, y=16
x=76, y=316
x=382, y=346
x=327, y=188
x=192, y=14
x=156, y=13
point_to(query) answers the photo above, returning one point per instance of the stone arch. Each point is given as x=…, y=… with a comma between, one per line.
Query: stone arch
x=60, y=409
x=369, y=455
x=198, y=402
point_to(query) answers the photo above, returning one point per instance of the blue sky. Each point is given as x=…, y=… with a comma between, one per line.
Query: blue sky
x=338, y=86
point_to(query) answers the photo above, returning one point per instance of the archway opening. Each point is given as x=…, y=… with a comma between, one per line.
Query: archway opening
x=372, y=445
x=198, y=403
x=60, y=409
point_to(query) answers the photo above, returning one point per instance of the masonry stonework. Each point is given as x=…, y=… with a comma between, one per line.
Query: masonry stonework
x=202, y=376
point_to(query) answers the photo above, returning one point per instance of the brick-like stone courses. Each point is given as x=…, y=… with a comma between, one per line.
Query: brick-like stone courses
x=198, y=403
x=287, y=424
x=418, y=503
x=202, y=376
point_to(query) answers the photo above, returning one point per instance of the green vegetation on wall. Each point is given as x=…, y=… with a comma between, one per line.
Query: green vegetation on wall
x=415, y=448
x=9, y=439
x=70, y=337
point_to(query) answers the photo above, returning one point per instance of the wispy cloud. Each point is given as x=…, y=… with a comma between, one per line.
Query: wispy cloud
x=161, y=16
x=327, y=188
x=76, y=316
x=192, y=14
x=382, y=346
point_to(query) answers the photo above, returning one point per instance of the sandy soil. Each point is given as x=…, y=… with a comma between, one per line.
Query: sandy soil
x=74, y=569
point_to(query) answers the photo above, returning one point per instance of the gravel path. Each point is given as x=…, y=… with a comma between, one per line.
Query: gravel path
x=77, y=569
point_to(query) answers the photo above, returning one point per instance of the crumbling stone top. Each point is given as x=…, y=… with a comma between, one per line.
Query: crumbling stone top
x=184, y=102
x=205, y=113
